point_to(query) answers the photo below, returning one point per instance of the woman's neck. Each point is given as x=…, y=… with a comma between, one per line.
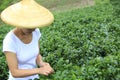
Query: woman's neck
x=25, y=38
x=20, y=33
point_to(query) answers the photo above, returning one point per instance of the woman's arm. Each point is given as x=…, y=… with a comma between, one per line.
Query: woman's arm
x=13, y=66
x=19, y=73
x=39, y=60
x=41, y=63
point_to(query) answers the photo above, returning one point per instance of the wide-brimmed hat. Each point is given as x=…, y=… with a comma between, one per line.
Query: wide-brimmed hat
x=27, y=14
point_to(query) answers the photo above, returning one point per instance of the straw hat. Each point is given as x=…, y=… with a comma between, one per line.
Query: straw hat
x=27, y=14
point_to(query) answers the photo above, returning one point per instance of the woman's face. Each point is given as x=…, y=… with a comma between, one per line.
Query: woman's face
x=27, y=31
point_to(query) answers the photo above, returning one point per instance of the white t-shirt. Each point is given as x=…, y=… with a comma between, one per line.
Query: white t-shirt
x=26, y=53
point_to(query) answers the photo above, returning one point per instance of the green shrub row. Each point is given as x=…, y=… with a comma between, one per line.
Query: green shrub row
x=79, y=40
x=3, y=65
x=3, y=69
x=99, y=68
x=116, y=4
x=81, y=34
x=6, y=3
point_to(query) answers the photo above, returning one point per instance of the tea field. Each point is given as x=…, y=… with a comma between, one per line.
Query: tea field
x=81, y=44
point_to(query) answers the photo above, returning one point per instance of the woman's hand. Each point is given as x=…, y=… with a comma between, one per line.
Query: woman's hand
x=45, y=69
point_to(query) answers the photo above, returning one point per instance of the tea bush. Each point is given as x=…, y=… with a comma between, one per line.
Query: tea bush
x=116, y=4
x=3, y=65
x=77, y=38
x=3, y=69
x=100, y=68
x=4, y=4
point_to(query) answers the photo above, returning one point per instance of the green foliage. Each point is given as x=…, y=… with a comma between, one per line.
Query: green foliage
x=3, y=65
x=101, y=1
x=3, y=69
x=116, y=4
x=77, y=38
x=100, y=68
x=4, y=4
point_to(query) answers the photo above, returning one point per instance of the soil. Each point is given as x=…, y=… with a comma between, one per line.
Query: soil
x=77, y=4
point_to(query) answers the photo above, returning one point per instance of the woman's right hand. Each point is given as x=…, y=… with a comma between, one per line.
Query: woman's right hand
x=46, y=70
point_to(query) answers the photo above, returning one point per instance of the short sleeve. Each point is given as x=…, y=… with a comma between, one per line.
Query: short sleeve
x=9, y=44
x=38, y=33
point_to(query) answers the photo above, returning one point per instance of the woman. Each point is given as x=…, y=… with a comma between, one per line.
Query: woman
x=21, y=45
